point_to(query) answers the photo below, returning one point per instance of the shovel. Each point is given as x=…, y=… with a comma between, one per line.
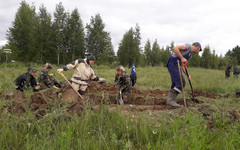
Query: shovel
x=70, y=84
x=181, y=81
x=120, y=99
x=190, y=83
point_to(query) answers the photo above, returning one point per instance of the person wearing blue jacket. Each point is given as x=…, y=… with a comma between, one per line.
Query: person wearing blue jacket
x=183, y=53
x=133, y=75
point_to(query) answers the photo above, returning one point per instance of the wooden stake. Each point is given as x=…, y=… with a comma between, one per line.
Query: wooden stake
x=180, y=75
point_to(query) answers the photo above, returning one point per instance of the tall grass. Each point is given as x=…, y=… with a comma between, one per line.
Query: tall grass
x=148, y=77
x=104, y=129
x=112, y=130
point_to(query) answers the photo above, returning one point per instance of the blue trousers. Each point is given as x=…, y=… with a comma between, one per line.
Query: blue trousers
x=174, y=73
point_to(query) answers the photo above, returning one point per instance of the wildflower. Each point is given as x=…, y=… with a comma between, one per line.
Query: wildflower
x=154, y=132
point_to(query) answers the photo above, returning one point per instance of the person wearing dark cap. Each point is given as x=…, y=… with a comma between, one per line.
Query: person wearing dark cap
x=47, y=80
x=27, y=80
x=82, y=74
x=183, y=53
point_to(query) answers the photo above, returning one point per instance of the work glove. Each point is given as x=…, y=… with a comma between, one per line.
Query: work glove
x=184, y=64
x=55, y=87
x=52, y=74
x=60, y=70
x=102, y=80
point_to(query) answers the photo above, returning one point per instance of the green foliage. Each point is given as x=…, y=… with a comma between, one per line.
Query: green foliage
x=148, y=53
x=59, y=25
x=44, y=37
x=21, y=34
x=98, y=41
x=234, y=54
x=155, y=56
x=75, y=37
x=129, y=50
x=39, y=37
x=104, y=129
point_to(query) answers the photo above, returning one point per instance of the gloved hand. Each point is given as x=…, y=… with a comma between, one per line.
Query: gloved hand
x=60, y=70
x=52, y=74
x=184, y=64
x=55, y=87
x=102, y=80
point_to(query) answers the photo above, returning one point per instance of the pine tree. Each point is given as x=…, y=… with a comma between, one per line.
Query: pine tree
x=43, y=37
x=206, y=58
x=164, y=55
x=21, y=34
x=59, y=25
x=215, y=61
x=148, y=53
x=235, y=52
x=155, y=54
x=74, y=33
x=98, y=41
x=195, y=61
x=129, y=50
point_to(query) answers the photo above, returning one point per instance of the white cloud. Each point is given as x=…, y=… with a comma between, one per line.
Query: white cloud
x=2, y=43
x=215, y=23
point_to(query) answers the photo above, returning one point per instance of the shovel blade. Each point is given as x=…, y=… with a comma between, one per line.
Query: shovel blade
x=196, y=100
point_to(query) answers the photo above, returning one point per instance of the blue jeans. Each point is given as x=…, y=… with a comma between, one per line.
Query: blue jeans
x=174, y=73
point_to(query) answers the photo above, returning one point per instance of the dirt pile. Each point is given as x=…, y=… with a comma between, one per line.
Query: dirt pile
x=41, y=102
x=208, y=95
x=15, y=102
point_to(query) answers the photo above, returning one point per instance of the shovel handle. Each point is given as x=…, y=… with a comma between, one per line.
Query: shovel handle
x=181, y=81
x=70, y=84
x=190, y=83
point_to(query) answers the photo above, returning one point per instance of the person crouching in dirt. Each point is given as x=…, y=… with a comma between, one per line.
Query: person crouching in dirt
x=83, y=72
x=47, y=80
x=183, y=53
x=27, y=80
x=228, y=70
x=124, y=83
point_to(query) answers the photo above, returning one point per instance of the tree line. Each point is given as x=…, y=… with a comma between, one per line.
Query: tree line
x=38, y=36
x=61, y=38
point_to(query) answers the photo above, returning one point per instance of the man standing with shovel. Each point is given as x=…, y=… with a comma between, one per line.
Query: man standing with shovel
x=83, y=72
x=182, y=53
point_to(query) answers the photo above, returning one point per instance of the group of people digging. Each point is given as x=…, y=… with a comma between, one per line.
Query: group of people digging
x=27, y=81
x=84, y=72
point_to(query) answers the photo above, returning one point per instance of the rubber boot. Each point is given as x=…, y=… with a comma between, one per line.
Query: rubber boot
x=172, y=99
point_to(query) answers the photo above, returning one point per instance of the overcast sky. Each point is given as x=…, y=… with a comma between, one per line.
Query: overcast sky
x=211, y=22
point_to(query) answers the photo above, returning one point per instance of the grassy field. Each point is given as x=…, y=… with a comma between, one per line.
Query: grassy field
x=104, y=129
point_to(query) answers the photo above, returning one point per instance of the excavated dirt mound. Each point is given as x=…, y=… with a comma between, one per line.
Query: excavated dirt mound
x=69, y=95
x=97, y=94
x=14, y=102
x=209, y=95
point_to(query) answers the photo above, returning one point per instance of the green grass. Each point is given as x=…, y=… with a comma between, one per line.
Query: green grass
x=104, y=129
x=148, y=77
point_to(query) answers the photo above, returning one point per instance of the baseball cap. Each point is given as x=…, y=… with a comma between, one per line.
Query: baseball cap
x=198, y=44
x=31, y=69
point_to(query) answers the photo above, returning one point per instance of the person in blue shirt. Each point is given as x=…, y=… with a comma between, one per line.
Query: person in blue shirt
x=133, y=75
